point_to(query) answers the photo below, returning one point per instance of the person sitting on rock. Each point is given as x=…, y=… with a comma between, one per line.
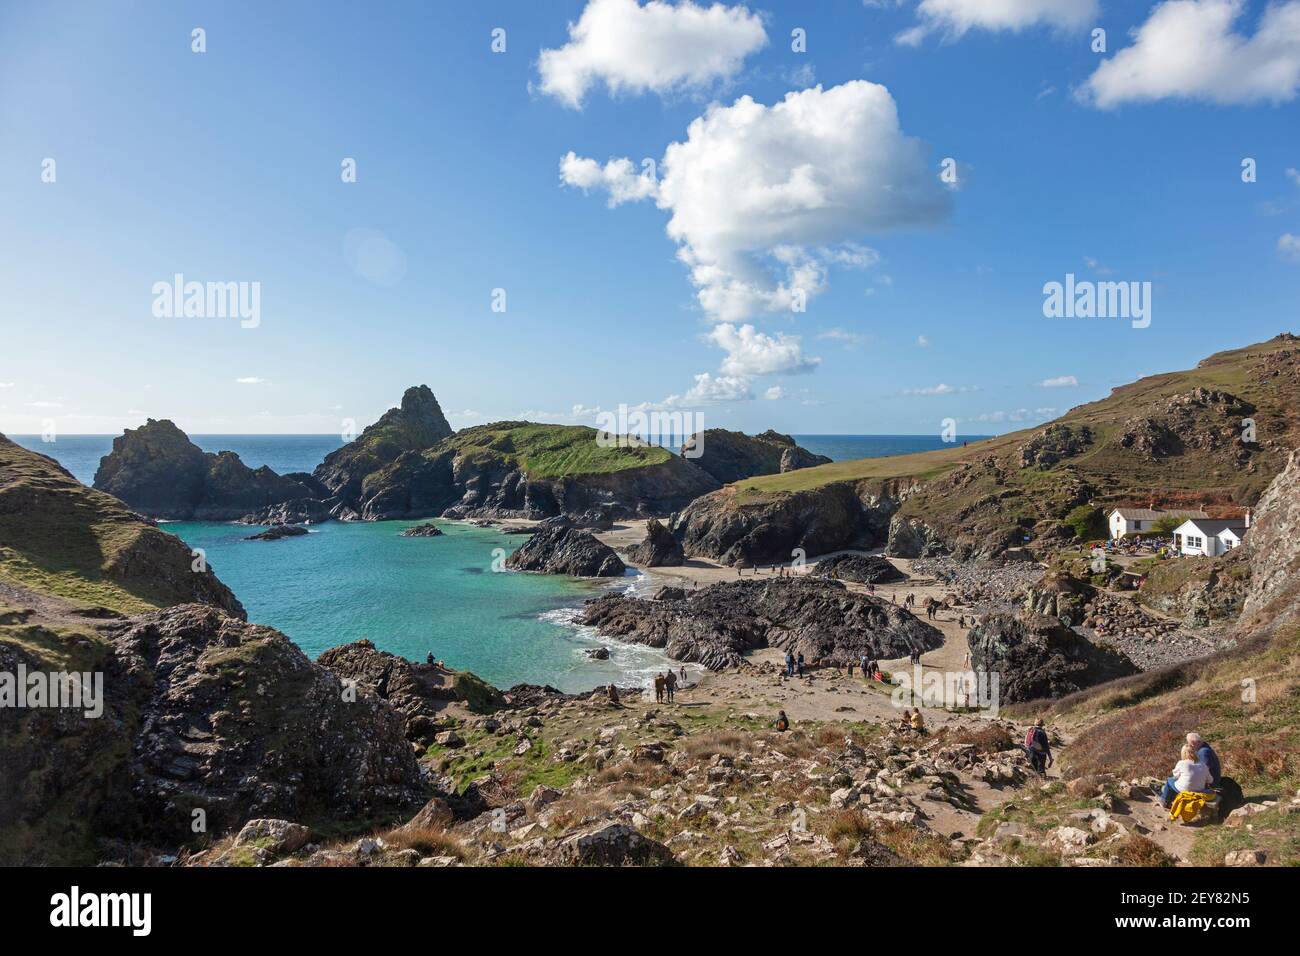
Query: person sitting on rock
x=905, y=722
x=1189, y=776
x=1206, y=755
x=782, y=722
x=918, y=722
x=613, y=694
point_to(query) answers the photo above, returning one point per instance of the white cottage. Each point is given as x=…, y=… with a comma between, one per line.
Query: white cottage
x=1125, y=521
x=1210, y=536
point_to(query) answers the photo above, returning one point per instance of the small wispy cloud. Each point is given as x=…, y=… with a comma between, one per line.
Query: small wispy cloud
x=922, y=342
x=844, y=336
x=941, y=389
x=774, y=393
x=250, y=380
x=1061, y=381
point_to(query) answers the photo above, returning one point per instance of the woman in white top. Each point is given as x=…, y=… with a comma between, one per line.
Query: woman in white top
x=1189, y=776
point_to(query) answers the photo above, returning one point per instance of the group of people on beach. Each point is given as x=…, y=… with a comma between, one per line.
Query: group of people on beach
x=780, y=570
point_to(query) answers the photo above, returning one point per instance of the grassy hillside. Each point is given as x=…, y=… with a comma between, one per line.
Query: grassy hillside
x=1174, y=438
x=63, y=540
x=551, y=451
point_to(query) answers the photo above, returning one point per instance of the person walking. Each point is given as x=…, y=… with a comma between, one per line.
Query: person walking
x=799, y=664
x=670, y=684
x=659, y=688
x=789, y=663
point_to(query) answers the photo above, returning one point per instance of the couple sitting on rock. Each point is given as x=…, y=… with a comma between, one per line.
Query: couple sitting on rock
x=1199, y=771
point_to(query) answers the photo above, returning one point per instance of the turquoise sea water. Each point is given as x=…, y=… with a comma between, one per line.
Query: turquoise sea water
x=345, y=581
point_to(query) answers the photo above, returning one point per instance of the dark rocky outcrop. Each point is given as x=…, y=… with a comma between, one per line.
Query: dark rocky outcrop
x=159, y=472
x=277, y=533
x=715, y=626
x=423, y=531
x=659, y=549
x=297, y=511
x=1054, y=444
x=418, y=691
x=566, y=551
x=733, y=456
x=1040, y=657
x=233, y=719
x=732, y=530
x=418, y=423
x=859, y=568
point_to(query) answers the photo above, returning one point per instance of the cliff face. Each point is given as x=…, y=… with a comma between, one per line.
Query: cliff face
x=736, y=527
x=159, y=472
x=418, y=423
x=199, y=710
x=1272, y=547
x=732, y=456
x=525, y=470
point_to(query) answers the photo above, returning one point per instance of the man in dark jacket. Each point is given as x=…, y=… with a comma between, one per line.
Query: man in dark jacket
x=1205, y=754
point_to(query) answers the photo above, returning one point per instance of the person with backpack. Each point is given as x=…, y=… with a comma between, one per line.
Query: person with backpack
x=782, y=722
x=1039, y=747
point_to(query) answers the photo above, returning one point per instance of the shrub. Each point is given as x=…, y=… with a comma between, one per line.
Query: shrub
x=1086, y=522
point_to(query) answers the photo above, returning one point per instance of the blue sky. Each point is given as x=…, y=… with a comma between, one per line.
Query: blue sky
x=225, y=166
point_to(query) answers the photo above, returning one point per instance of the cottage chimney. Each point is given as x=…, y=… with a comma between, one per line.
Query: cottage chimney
x=1249, y=515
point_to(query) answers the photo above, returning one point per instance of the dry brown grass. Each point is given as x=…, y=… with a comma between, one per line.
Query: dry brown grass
x=1137, y=850
x=724, y=743
x=987, y=740
x=427, y=841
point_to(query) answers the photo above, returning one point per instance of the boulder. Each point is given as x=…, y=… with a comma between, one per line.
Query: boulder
x=275, y=836
x=277, y=532
x=613, y=844
x=1039, y=657
x=566, y=551
x=859, y=568
x=659, y=549
x=422, y=531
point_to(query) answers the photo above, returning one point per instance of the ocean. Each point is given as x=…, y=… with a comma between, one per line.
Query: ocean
x=413, y=596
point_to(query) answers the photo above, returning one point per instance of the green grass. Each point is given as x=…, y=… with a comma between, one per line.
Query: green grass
x=60, y=538
x=552, y=451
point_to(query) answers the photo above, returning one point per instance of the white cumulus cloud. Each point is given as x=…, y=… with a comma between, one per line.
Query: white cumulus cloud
x=250, y=380
x=774, y=393
x=955, y=18
x=1188, y=49
x=657, y=47
x=1288, y=247
x=751, y=353
x=764, y=199
x=1061, y=381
